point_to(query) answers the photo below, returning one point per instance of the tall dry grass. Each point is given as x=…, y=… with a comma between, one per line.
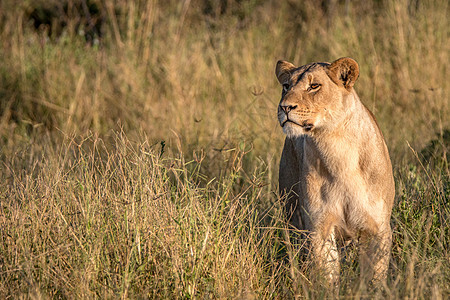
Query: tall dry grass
x=88, y=221
x=144, y=163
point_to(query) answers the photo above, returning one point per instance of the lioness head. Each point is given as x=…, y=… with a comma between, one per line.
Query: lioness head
x=314, y=95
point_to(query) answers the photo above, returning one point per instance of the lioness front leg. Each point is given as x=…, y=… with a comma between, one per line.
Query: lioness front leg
x=375, y=254
x=326, y=255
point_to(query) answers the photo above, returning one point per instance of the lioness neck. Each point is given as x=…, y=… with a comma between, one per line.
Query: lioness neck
x=349, y=142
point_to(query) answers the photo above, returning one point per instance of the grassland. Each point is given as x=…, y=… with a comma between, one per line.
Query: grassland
x=141, y=162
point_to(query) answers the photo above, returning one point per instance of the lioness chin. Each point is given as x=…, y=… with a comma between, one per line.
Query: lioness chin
x=335, y=171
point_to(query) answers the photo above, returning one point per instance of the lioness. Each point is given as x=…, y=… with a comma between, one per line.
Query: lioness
x=335, y=171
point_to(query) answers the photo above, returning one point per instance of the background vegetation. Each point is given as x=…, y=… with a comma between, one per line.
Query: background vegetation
x=139, y=144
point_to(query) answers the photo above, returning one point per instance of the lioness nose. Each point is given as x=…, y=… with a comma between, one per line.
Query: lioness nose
x=288, y=108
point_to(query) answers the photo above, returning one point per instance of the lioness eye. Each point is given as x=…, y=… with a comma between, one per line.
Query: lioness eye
x=285, y=87
x=314, y=86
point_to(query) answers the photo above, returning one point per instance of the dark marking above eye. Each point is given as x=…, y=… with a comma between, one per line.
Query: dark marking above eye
x=305, y=71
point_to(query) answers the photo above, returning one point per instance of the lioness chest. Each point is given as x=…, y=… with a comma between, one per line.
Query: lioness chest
x=336, y=192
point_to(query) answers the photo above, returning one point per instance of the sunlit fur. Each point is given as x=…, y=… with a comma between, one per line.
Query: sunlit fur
x=335, y=171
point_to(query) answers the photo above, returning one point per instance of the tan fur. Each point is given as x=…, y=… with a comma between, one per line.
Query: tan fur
x=335, y=171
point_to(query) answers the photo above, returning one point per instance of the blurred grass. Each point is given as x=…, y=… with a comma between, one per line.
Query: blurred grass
x=142, y=161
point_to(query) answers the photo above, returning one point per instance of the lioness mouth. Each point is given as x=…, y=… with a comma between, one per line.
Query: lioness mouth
x=306, y=126
x=290, y=121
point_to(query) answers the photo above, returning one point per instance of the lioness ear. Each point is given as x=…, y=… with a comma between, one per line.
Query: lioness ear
x=344, y=72
x=283, y=70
